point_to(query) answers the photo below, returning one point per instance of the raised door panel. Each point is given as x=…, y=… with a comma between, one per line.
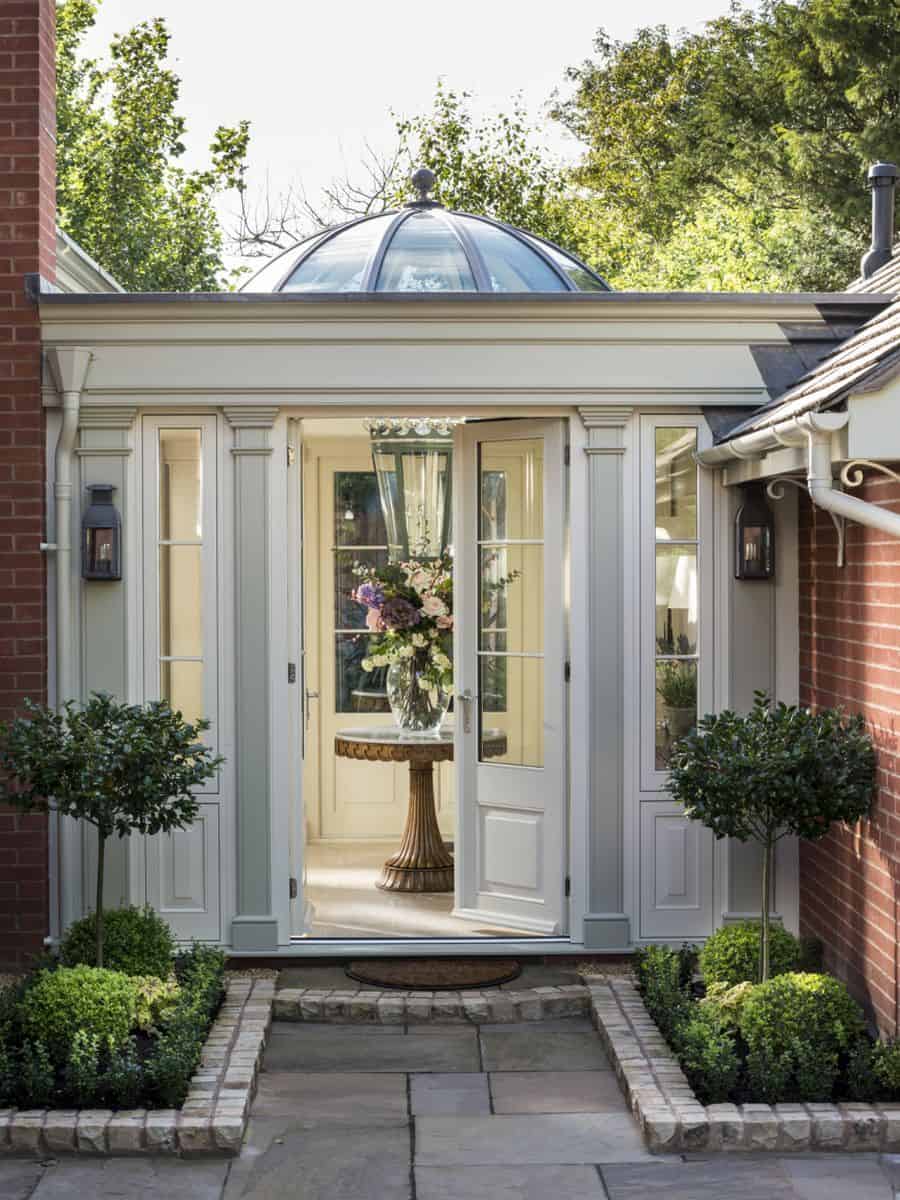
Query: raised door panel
x=676, y=873
x=184, y=877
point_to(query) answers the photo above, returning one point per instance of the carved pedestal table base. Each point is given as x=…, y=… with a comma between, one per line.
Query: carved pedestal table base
x=423, y=863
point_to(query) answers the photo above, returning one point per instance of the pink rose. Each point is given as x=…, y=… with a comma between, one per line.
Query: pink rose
x=433, y=606
x=444, y=622
x=374, y=621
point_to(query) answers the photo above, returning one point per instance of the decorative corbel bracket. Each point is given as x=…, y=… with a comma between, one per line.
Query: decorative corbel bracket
x=853, y=475
x=775, y=491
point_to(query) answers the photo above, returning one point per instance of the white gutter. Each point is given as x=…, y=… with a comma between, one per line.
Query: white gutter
x=816, y=430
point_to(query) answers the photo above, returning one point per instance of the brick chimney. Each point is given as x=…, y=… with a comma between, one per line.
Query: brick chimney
x=27, y=246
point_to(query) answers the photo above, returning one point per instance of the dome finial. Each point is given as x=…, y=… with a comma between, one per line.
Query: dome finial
x=422, y=180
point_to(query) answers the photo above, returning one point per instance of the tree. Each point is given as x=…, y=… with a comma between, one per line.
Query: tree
x=495, y=166
x=777, y=771
x=121, y=193
x=771, y=113
x=121, y=767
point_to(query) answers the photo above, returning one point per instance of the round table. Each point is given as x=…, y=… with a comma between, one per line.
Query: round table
x=423, y=863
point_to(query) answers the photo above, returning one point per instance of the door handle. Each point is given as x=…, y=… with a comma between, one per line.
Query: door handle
x=309, y=696
x=466, y=699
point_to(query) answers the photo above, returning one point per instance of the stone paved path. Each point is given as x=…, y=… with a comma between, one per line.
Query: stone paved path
x=522, y=1112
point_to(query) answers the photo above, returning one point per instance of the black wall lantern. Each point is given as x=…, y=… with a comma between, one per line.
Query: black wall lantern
x=101, y=535
x=754, y=537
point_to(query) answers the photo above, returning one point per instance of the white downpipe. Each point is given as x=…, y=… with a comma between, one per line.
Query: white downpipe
x=816, y=429
x=62, y=490
x=825, y=495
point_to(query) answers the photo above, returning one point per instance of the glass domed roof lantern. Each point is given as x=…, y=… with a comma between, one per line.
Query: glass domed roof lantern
x=424, y=247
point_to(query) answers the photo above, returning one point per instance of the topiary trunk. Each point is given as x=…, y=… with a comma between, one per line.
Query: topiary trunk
x=101, y=855
x=764, y=912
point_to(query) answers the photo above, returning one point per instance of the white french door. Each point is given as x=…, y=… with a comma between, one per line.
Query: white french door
x=510, y=647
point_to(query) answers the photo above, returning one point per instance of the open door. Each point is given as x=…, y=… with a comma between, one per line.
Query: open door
x=510, y=646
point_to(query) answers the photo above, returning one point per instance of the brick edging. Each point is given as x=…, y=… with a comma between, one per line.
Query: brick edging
x=212, y=1119
x=672, y=1119
x=478, y=1007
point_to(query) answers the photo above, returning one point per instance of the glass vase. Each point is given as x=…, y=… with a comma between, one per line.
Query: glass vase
x=415, y=709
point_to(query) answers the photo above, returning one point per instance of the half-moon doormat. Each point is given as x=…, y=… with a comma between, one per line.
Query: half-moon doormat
x=434, y=974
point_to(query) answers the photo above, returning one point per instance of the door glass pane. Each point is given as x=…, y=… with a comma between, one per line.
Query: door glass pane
x=355, y=689
x=512, y=598
x=512, y=710
x=347, y=613
x=512, y=489
x=676, y=599
x=676, y=705
x=181, y=683
x=180, y=485
x=180, y=602
x=357, y=511
x=676, y=484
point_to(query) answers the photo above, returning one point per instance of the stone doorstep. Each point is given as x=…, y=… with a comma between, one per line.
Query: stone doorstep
x=212, y=1120
x=673, y=1120
x=488, y=1007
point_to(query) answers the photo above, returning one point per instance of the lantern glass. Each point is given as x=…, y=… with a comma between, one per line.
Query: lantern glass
x=413, y=464
x=101, y=557
x=754, y=539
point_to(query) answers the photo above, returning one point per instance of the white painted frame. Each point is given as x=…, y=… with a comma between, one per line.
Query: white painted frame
x=511, y=910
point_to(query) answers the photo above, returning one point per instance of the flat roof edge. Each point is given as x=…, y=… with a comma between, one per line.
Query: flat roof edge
x=801, y=299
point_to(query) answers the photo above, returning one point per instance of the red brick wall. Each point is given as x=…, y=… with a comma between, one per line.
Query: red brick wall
x=850, y=655
x=27, y=244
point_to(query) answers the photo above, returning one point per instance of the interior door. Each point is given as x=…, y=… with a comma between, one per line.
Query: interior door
x=510, y=645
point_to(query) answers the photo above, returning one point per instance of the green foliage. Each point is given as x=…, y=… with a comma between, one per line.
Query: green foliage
x=497, y=166
x=776, y=771
x=873, y=1071
x=120, y=191
x=727, y=1001
x=153, y=998
x=124, y=768
x=736, y=156
x=706, y=1048
x=796, y=1028
x=676, y=684
x=731, y=955
x=82, y=1069
x=122, y=1082
x=201, y=975
x=62, y=1002
x=136, y=941
x=704, y=1044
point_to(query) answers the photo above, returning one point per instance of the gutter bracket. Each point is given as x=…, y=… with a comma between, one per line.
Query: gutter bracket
x=852, y=474
x=775, y=491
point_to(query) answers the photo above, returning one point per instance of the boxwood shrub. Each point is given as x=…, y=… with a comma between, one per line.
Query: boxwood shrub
x=135, y=940
x=89, y=1037
x=797, y=1037
x=797, y=1028
x=731, y=955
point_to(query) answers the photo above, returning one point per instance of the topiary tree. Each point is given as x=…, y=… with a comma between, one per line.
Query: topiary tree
x=124, y=768
x=779, y=770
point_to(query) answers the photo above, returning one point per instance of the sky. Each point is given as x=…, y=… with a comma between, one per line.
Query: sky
x=319, y=78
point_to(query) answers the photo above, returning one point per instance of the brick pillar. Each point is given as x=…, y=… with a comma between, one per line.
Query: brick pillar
x=27, y=245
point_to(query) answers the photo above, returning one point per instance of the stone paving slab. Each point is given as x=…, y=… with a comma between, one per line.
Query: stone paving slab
x=18, y=1178
x=293, y=1159
x=449, y=1095
x=726, y=1179
x=509, y=1183
x=331, y=1051
x=535, y=1050
x=134, y=1178
x=520, y=1140
x=342, y=1096
x=814, y=1178
x=550, y=1025
x=556, y=1092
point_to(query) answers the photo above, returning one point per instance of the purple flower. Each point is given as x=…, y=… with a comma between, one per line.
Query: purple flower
x=398, y=613
x=370, y=594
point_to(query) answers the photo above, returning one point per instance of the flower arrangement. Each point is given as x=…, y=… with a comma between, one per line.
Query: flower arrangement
x=410, y=609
